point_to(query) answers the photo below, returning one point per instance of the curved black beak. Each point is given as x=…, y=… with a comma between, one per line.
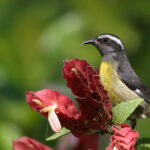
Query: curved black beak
x=92, y=41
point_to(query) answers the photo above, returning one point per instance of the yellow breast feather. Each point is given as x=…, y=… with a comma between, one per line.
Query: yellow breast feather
x=117, y=90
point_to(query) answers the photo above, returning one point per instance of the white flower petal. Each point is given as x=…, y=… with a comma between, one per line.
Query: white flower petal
x=54, y=121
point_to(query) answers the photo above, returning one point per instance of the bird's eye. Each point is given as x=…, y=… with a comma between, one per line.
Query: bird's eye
x=105, y=39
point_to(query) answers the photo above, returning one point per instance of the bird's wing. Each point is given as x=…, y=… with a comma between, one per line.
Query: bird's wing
x=136, y=85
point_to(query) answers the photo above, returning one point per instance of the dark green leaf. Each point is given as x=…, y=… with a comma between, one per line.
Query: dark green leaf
x=62, y=132
x=123, y=110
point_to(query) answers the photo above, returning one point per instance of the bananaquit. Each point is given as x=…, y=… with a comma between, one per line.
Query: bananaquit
x=118, y=77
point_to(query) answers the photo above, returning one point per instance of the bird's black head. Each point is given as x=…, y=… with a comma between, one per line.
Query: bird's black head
x=106, y=43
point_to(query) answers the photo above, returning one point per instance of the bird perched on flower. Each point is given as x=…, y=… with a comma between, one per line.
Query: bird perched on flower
x=117, y=75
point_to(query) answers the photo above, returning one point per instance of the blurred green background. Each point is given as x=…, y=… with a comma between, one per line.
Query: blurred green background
x=37, y=35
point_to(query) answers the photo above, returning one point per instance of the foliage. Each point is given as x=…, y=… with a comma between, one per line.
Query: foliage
x=58, y=134
x=122, y=111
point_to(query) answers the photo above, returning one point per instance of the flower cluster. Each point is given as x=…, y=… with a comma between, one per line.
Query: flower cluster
x=124, y=138
x=91, y=96
x=93, y=114
x=95, y=107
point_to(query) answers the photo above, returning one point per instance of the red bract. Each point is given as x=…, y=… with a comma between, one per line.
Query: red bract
x=59, y=110
x=52, y=105
x=124, y=138
x=26, y=143
x=91, y=96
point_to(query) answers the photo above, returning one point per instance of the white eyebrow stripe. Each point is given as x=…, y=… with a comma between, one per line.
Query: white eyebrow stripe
x=112, y=38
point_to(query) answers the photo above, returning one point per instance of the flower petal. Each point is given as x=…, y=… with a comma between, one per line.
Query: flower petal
x=26, y=143
x=54, y=121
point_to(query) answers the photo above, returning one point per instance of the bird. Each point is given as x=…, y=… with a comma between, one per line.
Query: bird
x=118, y=77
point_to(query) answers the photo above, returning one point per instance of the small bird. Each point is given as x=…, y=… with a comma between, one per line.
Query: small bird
x=118, y=77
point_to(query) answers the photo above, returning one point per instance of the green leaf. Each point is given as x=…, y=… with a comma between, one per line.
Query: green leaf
x=143, y=143
x=123, y=110
x=144, y=147
x=62, y=132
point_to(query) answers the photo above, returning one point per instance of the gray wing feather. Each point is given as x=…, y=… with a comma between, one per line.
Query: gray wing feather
x=130, y=78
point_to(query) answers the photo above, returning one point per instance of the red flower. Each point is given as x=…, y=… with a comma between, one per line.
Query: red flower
x=52, y=105
x=89, y=93
x=26, y=143
x=59, y=110
x=124, y=138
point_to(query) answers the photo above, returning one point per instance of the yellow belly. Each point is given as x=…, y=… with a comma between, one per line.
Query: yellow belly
x=117, y=90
